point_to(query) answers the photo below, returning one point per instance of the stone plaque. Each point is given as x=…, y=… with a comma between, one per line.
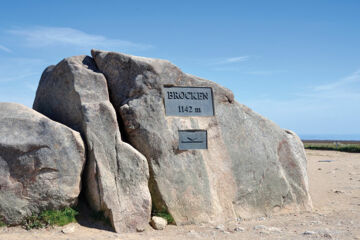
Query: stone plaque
x=189, y=101
x=192, y=139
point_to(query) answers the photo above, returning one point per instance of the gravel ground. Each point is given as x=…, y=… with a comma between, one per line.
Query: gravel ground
x=334, y=179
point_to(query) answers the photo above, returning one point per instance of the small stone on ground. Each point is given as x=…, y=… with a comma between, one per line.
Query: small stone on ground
x=158, y=223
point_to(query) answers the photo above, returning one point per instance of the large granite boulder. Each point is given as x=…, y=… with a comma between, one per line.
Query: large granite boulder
x=74, y=93
x=250, y=167
x=41, y=162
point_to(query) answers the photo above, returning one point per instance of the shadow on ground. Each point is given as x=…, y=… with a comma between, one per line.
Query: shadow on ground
x=88, y=218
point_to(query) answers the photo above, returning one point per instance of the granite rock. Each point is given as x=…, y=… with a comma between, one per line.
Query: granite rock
x=41, y=162
x=158, y=223
x=251, y=167
x=75, y=93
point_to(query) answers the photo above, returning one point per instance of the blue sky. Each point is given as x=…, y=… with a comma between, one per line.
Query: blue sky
x=295, y=62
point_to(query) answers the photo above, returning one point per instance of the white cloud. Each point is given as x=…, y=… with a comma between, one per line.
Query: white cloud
x=236, y=59
x=353, y=78
x=228, y=61
x=312, y=114
x=227, y=69
x=19, y=78
x=2, y=47
x=232, y=68
x=52, y=36
x=330, y=108
x=265, y=73
x=20, y=69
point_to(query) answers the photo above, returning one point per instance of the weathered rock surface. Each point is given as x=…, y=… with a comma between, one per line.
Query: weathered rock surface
x=74, y=93
x=158, y=223
x=41, y=162
x=251, y=167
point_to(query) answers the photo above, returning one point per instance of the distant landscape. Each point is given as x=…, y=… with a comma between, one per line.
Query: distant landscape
x=330, y=137
x=335, y=145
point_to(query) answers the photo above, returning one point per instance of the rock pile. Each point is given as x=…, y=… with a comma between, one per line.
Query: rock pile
x=213, y=161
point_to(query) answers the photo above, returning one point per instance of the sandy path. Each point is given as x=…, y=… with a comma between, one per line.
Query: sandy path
x=335, y=189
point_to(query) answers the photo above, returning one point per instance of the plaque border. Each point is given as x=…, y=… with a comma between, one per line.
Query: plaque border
x=193, y=130
x=172, y=86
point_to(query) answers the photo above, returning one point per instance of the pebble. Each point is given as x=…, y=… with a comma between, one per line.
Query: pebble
x=338, y=191
x=259, y=227
x=265, y=229
x=68, y=229
x=140, y=229
x=220, y=227
x=315, y=223
x=309, y=233
x=158, y=223
x=327, y=235
x=274, y=229
x=239, y=229
x=264, y=232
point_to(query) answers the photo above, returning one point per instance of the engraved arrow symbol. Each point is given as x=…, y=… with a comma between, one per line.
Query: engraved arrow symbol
x=192, y=140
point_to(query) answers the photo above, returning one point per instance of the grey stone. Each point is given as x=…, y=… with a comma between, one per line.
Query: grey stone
x=220, y=227
x=309, y=233
x=41, y=162
x=68, y=229
x=251, y=167
x=325, y=233
x=338, y=191
x=140, y=229
x=158, y=223
x=260, y=227
x=315, y=223
x=274, y=229
x=75, y=93
x=239, y=229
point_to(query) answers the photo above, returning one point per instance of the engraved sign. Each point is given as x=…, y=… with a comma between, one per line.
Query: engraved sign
x=192, y=139
x=188, y=101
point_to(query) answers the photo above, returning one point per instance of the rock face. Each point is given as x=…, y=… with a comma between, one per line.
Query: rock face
x=251, y=167
x=74, y=93
x=41, y=162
